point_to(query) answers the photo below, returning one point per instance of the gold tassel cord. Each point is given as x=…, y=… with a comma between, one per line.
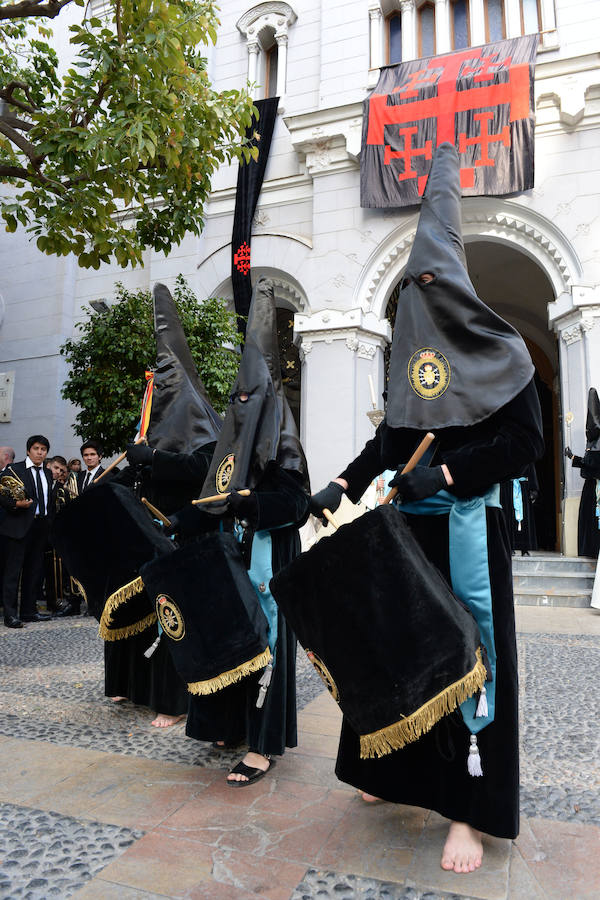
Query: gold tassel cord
x=212, y=685
x=394, y=737
x=119, y=634
x=116, y=599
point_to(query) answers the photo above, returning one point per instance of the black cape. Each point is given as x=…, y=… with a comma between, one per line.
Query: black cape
x=588, y=533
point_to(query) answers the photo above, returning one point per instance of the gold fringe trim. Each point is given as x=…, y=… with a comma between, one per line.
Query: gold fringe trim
x=119, y=634
x=114, y=601
x=79, y=588
x=394, y=737
x=221, y=681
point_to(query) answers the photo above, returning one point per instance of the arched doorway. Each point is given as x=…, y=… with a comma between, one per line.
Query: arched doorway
x=516, y=287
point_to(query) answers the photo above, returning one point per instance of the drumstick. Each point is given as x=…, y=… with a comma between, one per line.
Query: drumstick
x=423, y=446
x=156, y=512
x=119, y=459
x=215, y=497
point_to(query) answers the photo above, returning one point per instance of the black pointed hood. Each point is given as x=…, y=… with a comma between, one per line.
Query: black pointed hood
x=182, y=418
x=592, y=424
x=259, y=428
x=454, y=361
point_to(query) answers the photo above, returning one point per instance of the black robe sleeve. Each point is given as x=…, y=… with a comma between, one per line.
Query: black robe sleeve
x=191, y=467
x=281, y=500
x=515, y=439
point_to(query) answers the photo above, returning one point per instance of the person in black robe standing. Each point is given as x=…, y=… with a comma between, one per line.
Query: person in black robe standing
x=517, y=497
x=588, y=523
x=462, y=372
x=168, y=471
x=259, y=449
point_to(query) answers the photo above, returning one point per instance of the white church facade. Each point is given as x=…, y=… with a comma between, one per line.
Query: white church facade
x=533, y=257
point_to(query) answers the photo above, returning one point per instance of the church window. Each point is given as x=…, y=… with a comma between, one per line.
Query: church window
x=459, y=24
x=426, y=23
x=494, y=21
x=394, y=38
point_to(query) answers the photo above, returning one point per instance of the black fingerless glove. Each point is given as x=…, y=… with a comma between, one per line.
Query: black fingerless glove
x=190, y=521
x=418, y=484
x=139, y=454
x=244, y=507
x=328, y=498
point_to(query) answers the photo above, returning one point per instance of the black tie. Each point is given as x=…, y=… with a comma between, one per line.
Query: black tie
x=40, y=492
x=86, y=481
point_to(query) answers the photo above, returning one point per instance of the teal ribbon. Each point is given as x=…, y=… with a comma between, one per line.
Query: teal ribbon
x=598, y=500
x=260, y=574
x=518, y=499
x=469, y=574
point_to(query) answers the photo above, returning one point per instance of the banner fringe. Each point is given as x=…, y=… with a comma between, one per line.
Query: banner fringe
x=114, y=601
x=119, y=634
x=212, y=685
x=396, y=736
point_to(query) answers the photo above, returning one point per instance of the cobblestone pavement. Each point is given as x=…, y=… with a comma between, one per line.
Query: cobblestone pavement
x=51, y=690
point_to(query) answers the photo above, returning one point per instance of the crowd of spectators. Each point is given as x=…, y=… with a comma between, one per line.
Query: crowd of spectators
x=35, y=584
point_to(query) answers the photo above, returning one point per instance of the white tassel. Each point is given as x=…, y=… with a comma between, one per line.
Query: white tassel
x=474, y=759
x=148, y=653
x=264, y=682
x=482, y=706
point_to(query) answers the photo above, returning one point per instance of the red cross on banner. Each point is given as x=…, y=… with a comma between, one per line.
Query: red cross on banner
x=480, y=99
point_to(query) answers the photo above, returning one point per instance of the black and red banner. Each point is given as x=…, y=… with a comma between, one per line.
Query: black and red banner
x=249, y=184
x=480, y=99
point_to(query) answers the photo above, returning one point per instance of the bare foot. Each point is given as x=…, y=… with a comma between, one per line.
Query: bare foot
x=162, y=721
x=370, y=798
x=253, y=761
x=117, y=699
x=463, y=850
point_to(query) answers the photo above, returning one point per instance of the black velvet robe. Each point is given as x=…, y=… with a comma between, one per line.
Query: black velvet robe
x=526, y=537
x=588, y=533
x=231, y=715
x=432, y=772
x=172, y=480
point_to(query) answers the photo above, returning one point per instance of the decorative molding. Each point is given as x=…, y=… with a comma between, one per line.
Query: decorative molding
x=271, y=10
x=571, y=335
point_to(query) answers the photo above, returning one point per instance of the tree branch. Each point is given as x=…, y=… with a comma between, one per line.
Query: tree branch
x=34, y=177
x=6, y=93
x=22, y=143
x=27, y=8
x=16, y=123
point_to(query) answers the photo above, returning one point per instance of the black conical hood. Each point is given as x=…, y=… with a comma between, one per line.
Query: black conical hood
x=454, y=361
x=592, y=424
x=182, y=418
x=256, y=431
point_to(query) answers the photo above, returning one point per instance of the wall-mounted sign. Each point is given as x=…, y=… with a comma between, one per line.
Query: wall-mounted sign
x=7, y=385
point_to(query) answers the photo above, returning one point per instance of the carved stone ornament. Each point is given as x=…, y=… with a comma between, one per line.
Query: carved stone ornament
x=571, y=335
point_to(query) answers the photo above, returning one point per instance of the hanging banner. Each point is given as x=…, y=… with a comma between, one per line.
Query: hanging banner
x=480, y=99
x=249, y=183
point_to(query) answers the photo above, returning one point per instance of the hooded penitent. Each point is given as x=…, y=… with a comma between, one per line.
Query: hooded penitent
x=182, y=417
x=454, y=361
x=591, y=459
x=259, y=427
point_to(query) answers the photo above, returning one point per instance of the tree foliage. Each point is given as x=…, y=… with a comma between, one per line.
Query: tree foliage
x=117, y=154
x=109, y=357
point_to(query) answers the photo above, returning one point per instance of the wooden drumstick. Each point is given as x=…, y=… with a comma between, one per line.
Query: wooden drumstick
x=423, y=446
x=119, y=459
x=156, y=512
x=331, y=519
x=245, y=493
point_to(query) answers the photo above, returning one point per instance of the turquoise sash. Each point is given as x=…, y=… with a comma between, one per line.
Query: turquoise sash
x=518, y=500
x=469, y=574
x=260, y=574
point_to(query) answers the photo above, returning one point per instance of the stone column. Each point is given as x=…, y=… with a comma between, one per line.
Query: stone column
x=376, y=37
x=253, y=54
x=477, y=22
x=512, y=12
x=339, y=350
x=442, y=26
x=282, y=42
x=409, y=30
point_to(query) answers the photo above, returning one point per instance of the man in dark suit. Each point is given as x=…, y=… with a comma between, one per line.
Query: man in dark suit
x=25, y=530
x=91, y=453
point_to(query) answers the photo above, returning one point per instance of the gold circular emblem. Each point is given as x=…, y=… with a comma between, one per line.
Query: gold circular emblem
x=325, y=674
x=428, y=373
x=170, y=618
x=224, y=473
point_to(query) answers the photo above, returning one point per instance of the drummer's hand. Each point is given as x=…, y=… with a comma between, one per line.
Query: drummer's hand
x=139, y=454
x=244, y=507
x=189, y=521
x=329, y=498
x=420, y=483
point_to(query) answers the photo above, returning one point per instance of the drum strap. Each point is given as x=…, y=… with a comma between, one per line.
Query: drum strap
x=470, y=576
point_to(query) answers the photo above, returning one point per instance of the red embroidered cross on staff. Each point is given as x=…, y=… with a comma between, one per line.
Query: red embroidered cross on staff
x=480, y=99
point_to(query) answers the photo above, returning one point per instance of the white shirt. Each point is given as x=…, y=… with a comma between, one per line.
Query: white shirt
x=31, y=465
x=89, y=477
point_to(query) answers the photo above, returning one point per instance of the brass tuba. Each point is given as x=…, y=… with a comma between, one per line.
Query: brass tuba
x=71, y=485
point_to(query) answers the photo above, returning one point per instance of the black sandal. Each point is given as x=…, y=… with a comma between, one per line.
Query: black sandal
x=249, y=772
